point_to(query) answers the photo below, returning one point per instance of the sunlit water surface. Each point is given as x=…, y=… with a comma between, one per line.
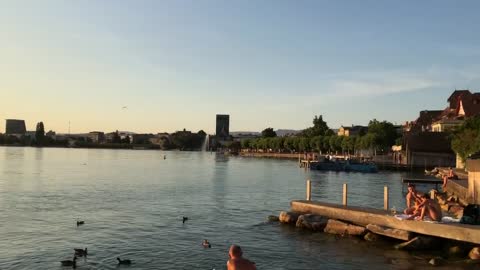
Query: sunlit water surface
x=133, y=202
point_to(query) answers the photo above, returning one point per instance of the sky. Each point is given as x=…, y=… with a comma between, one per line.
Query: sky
x=176, y=64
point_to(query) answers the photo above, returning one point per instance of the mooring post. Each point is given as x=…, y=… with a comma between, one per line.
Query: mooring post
x=385, y=198
x=432, y=194
x=345, y=194
x=309, y=190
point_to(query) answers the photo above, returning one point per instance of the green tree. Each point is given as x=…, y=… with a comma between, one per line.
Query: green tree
x=40, y=134
x=320, y=128
x=245, y=143
x=385, y=134
x=268, y=133
x=466, y=138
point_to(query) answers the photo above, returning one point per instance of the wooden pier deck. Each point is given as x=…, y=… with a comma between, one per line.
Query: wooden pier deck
x=364, y=216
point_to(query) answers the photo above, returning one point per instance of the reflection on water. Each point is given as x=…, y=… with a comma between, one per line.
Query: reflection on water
x=133, y=202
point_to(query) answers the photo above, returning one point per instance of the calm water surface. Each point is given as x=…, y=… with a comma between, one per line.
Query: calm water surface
x=133, y=202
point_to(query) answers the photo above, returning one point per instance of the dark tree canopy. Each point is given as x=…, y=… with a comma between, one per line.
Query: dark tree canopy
x=466, y=138
x=320, y=128
x=269, y=133
x=40, y=133
x=382, y=134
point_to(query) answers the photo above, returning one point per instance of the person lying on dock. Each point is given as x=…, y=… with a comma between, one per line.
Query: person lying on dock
x=428, y=208
x=413, y=199
x=448, y=176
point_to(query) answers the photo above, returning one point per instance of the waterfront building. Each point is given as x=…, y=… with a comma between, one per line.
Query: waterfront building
x=15, y=127
x=222, y=126
x=141, y=138
x=424, y=121
x=161, y=139
x=426, y=149
x=97, y=136
x=352, y=131
x=444, y=125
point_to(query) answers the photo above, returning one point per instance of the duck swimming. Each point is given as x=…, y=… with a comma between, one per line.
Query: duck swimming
x=124, y=262
x=185, y=219
x=72, y=263
x=80, y=252
x=80, y=222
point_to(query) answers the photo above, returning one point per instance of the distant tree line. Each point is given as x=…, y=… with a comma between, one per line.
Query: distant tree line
x=379, y=137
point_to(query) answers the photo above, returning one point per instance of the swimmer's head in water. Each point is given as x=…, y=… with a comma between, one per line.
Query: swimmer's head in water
x=235, y=251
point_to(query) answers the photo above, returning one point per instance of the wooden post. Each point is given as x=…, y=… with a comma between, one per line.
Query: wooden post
x=385, y=198
x=309, y=190
x=432, y=194
x=345, y=194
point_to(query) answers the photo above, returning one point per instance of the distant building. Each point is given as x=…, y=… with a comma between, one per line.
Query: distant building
x=424, y=121
x=223, y=126
x=244, y=136
x=444, y=125
x=97, y=136
x=352, y=131
x=15, y=127
x=161, y=139
x=141, y=138
x=428, y=149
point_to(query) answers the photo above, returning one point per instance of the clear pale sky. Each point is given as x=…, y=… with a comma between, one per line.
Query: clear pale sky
x=175, y=64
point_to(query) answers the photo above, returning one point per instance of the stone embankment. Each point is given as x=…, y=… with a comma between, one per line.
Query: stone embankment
x=454, y=252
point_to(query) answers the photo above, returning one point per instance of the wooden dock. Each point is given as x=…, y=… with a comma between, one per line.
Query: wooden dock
x=364, y=216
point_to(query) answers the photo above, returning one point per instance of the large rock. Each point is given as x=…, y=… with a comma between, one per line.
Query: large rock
x=458, y=251
x=312, y=222
x=371, y=237
x=338, y=227
x=393, y=233
x=273, y=218
x=420, y=243
x=474, y=253
x=288, y=217
x=436, y=261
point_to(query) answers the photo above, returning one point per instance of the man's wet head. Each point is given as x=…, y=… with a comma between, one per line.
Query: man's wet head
x=235, y=251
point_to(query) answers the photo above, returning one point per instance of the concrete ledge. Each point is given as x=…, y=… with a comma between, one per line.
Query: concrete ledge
x=364, y=216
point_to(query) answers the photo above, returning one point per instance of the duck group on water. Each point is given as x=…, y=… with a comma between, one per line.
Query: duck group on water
x=78, y=252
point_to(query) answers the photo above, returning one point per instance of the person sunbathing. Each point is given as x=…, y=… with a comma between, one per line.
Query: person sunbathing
x=448, y=176
x=428, y=208
x=413, y=199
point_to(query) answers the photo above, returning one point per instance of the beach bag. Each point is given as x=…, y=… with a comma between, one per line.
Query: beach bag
x=471, y=214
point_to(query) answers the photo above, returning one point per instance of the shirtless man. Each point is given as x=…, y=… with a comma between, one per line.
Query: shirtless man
x=450, y=175
x=237, y=262
x=413, y=197
x=429, y=208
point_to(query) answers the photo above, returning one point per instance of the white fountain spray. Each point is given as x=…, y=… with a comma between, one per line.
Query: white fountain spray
x=205, y=145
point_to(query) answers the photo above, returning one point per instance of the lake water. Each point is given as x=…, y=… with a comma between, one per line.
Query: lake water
x=133, y=202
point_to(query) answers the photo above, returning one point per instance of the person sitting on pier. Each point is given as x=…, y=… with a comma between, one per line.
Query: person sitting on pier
x=237, y=262
x=449, y=175
x=413, y=199
x=429, y=208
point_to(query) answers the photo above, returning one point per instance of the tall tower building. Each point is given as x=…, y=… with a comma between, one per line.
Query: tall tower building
x=15, y=127
x=223, y=126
